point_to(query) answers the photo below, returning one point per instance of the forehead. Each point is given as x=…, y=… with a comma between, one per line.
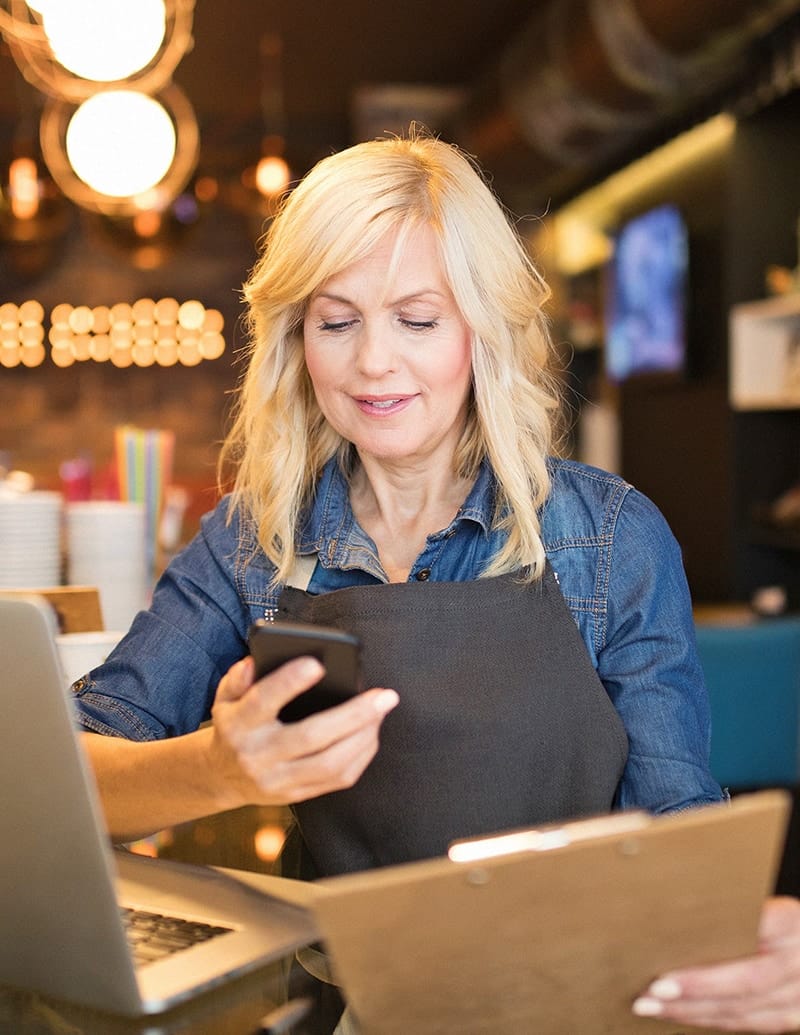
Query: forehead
x=404, y=261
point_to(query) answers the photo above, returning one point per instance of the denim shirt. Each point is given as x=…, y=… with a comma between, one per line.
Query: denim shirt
x=617, y=563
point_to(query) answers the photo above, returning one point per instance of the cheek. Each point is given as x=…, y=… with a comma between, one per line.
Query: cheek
x=319, y=366
x=456, y=366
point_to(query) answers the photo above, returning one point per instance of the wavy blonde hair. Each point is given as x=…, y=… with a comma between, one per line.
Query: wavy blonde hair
x=279, y=441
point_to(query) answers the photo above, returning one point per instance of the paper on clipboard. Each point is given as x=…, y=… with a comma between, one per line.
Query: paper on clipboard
x=557, y=941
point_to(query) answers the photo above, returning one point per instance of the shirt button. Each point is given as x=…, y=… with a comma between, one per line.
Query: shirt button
x=423, y=575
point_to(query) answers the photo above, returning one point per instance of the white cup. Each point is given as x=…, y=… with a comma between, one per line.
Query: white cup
x=83, y=651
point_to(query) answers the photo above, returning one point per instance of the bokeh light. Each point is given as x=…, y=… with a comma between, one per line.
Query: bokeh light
x=104, y=40
x=120, y=142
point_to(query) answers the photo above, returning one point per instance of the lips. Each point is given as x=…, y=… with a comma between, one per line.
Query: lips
x=382, y=405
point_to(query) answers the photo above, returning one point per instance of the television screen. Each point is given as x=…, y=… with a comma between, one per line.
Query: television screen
x=645, y=311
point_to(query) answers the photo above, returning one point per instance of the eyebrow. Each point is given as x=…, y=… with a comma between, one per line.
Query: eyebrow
x=410, y=296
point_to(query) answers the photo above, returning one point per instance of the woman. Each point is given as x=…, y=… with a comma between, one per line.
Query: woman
x=396, y=426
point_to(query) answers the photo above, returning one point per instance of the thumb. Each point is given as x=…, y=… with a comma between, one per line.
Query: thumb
x=237, y=680
x=780, y=921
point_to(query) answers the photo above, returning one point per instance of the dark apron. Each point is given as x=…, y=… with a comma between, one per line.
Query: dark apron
x=502, y=722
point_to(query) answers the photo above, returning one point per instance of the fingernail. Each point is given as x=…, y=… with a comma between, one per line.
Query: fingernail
x=308, y=668
x=665, y=988
x=646, y=1007
x=385, y=701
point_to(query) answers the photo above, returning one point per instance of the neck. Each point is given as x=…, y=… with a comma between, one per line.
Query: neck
x=399, y=508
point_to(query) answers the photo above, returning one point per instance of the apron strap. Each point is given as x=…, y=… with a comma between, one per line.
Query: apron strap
x=300, y=575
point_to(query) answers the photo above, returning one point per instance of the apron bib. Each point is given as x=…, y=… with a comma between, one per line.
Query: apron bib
x=502, y=722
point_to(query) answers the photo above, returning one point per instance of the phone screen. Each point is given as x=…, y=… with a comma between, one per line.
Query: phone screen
x=272, y=644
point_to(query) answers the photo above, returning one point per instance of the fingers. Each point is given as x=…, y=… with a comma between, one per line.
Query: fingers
x=758, y=994
x=724, y=1015
x=281, y=763
x=332, y=725
x=337, y=766
x=267, y=696
x=262, y=760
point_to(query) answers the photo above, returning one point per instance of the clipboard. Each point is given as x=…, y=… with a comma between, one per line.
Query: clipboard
x=555, y=933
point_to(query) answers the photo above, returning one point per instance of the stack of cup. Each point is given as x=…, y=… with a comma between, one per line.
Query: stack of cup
x=80, y=652
x=107, y=548
x=30, y=539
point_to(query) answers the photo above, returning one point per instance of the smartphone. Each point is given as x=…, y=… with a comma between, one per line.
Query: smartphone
x=272, y=644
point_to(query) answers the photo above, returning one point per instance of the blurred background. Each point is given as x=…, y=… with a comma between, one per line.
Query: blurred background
x=648, y=151
x=584, y=115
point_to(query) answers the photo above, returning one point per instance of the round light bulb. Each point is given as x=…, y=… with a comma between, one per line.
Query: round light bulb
x=61, y=314
x=31, y=312
x=122, y=314
x=10, y=357
x=9, y=315
x=167, y=353
x=104, y=40
x=81, y=319
x=62, y=357
x=212, y=345
x=213, y=320
x=81, y=347
x=32, y=355
x=101, y=319
x=191, y=315
x=59, y=335
x=121, y=143
x=100, y=348
x=167, y=310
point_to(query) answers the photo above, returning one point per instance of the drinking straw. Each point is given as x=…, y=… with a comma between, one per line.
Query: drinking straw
x=144, y=466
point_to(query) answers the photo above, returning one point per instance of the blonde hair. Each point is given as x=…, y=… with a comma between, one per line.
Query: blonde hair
x=279, y=441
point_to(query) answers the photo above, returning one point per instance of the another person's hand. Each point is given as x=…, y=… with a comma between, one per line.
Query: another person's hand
x=758, y=994
x=261, y=760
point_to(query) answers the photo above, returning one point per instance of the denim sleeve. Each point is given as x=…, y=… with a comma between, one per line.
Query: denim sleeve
x=650, y=666
x=161, y=679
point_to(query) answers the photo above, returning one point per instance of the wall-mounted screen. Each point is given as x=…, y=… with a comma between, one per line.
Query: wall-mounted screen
x=645, y=310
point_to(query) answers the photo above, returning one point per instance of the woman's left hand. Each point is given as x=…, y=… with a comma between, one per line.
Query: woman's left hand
x=758, y=994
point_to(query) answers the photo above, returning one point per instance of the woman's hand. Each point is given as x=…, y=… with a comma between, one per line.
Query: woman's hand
x=262, y=761
x=758, y=994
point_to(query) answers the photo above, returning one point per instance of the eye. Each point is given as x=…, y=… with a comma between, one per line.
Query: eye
x=336, y=326
x=419, y=325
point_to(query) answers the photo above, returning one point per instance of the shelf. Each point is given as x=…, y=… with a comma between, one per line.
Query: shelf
x=764, y=354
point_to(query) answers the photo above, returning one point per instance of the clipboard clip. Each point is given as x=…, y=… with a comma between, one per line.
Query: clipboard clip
x=544, y=839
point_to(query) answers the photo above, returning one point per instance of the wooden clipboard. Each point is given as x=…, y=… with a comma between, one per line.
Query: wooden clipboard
x=552, y=941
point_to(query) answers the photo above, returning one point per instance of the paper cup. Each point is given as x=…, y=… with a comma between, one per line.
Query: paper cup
x=83, y=651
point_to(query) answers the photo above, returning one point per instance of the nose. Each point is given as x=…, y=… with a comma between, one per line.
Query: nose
x=376, y=354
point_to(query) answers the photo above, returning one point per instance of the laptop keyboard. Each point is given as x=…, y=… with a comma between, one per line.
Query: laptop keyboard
x=152, y=936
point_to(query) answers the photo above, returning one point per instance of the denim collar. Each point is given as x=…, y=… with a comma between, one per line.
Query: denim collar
x=330, y=529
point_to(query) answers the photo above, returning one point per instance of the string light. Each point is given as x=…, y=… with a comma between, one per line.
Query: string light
x=144, y=333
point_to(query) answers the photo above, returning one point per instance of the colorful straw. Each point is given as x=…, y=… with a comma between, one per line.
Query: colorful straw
x=144, y=459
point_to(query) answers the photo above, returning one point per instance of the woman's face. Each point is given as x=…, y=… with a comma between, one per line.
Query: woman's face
x=389, y=355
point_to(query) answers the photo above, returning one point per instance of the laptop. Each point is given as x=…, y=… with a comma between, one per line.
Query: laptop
x=72, y=906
